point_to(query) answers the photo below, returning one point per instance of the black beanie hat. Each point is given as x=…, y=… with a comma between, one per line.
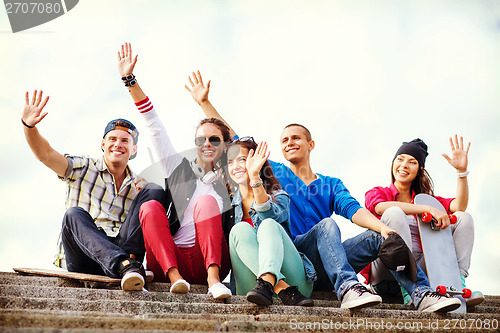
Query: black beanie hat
x=416, y=148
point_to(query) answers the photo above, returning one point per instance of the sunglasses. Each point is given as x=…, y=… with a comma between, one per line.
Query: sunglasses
x=214, y=141
x=245, y=139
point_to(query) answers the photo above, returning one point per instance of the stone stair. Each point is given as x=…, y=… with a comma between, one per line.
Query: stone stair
x=46, y=304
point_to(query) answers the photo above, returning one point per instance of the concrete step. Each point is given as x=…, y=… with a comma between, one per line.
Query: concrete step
x=43, y=304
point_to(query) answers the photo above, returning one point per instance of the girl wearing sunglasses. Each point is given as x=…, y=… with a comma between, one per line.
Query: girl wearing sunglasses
x=260, y=246
x=185, y=235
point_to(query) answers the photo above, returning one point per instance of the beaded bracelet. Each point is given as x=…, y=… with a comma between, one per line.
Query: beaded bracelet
x=259, y=183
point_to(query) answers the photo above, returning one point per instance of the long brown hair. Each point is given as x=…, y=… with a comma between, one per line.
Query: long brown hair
x=221, y=164
x=269, y=181
x=421, y=184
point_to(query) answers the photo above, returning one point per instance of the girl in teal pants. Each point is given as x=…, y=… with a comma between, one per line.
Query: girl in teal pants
x=259, y=243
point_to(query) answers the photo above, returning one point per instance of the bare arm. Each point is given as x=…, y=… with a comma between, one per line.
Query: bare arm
x=442, y=218
x=459, y=161
x=200, y=95
x=126, y=65
x=32, y=114
x=365, y=219
x=254, y=163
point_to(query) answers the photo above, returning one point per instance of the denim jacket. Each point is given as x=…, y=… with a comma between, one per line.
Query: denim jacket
x=278, y=210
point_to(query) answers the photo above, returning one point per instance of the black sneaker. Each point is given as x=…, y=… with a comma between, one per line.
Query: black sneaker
x=292, y=296
x=262, y=294
x=133, y=275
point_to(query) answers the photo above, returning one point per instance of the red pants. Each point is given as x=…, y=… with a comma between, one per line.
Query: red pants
x=192, y=262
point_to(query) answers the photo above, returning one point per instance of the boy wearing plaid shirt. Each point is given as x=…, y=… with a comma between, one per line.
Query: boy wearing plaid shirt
x=101, y=232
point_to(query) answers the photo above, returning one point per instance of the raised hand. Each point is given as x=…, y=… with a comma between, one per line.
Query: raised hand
x=256, y=159
x=32, y=113
x=198, y=90
x=126, y=62
x=458, y=158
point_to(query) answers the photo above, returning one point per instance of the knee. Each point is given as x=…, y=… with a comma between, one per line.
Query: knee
x=148, y=208
x=205, y=207
x=153, y=191
x=395, y=218
x=205, y=200
x=241, y=232
x=464, y=220
x=329, y=227
x=268, y=226
x=73, y=214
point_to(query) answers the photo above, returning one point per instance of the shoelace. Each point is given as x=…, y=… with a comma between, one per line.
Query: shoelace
x=434, y=294
x=360, y=289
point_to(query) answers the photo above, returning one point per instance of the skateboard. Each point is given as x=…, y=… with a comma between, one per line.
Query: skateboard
x=88, y=280
x=439, y=253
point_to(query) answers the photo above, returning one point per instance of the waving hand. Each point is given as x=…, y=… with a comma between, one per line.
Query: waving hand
x=458, y=158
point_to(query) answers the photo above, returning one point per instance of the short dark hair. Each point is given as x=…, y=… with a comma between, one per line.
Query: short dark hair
x=308, y=133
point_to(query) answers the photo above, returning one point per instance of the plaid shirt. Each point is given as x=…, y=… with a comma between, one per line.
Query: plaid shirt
x=92, y=187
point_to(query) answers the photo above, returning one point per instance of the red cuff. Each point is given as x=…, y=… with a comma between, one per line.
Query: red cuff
x=145, y=105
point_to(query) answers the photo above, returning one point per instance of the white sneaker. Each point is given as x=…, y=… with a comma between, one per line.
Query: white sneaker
x=180, y=286
x=435, y=302
x=132, y=281
x=358, y=297
x=150, y=276
x=219, y=291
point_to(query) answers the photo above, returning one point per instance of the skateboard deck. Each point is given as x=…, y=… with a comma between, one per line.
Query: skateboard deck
x=88, y=280
x=439, y=253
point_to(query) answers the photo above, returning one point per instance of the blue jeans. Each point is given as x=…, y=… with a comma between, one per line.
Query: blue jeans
x=337, y=263
x=89, y=250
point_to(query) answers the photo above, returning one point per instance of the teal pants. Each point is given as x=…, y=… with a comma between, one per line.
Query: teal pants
x=266, y=250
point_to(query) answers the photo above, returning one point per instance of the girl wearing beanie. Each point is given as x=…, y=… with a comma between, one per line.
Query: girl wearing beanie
x=394, y=206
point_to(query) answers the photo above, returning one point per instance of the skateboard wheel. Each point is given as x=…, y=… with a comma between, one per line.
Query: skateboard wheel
x=426, y=217
x=466, y=293
x=441, y=290
x=453, y=219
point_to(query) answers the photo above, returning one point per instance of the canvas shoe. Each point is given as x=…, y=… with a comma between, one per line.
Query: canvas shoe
x=476, y=298
x=262, y=294
x=150, y=276
x=219, y=291
x=358, y=297
x=435, y=302
x=133, y=275
x=180, y=286
x=292, y=296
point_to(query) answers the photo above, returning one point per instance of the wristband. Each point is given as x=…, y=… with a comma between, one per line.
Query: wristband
x=259, y=183
x=129, y=77
x=26, y=124
x=130, y=83
x=463, y=174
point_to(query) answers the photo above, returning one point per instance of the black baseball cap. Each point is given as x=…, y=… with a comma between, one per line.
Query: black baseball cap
x=396, y=256
x=124, y=125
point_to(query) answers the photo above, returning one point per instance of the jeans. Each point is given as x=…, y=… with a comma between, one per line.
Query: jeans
x=337, y=263
x=89, y=250
x=268, y=249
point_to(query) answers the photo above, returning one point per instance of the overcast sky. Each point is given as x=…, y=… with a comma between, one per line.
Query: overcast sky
x=362, y=75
